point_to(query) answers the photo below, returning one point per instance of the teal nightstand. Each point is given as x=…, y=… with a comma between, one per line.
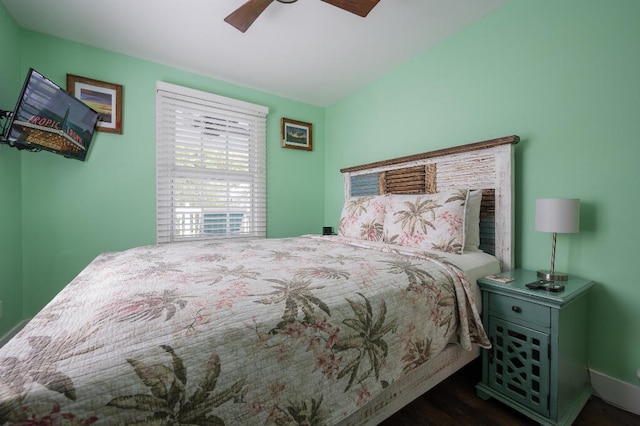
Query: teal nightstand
x=538, y=362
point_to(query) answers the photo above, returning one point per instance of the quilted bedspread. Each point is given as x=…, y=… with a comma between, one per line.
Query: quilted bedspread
x=279, y=331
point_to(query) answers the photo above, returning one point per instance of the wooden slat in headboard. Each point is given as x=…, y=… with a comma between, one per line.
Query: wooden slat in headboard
x=486, y=165
x=410, y=180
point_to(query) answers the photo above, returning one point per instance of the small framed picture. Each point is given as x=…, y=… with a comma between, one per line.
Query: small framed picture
x=297, y=134
x=105, y=98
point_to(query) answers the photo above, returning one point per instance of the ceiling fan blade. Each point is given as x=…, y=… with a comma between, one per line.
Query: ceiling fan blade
x=359, y=7
x=243, y=17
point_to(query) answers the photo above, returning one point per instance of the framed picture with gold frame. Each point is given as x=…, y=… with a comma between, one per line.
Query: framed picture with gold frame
x=296, y=134
x=105, y=98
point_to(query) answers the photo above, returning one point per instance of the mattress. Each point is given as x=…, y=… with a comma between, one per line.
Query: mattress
x=476, y=265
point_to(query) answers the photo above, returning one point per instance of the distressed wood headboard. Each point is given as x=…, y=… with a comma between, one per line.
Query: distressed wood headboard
x=486, y=165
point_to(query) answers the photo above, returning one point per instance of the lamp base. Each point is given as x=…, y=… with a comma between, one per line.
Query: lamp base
x=556, y=276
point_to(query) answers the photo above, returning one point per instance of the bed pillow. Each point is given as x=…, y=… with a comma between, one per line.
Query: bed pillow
x=428, y=221
x=363, y=218
x=472, y=221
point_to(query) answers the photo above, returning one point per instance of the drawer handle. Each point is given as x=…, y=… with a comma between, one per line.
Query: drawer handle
x=516, y=309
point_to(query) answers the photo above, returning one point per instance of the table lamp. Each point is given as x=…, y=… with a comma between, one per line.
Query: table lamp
x=557, y=215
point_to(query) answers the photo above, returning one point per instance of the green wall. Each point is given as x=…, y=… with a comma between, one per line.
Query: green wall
x=10, y=185
x=72, y=211
x=564, y=76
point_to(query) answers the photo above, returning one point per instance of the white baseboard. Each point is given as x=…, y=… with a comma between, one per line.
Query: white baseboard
x=616, y=392
x=12, y=332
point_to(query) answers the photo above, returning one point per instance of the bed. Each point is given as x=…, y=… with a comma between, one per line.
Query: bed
x=315, y=329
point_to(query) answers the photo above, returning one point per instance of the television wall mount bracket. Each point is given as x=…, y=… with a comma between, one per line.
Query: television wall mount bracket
x=4, y=122
x=5, y=117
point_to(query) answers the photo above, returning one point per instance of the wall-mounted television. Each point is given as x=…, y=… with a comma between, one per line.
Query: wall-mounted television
x=48, y=117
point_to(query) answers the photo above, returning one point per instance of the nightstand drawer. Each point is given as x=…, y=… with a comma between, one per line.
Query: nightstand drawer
x=519, y=310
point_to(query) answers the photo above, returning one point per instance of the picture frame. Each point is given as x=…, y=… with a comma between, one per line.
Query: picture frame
x=105, y=98
x=296, y=134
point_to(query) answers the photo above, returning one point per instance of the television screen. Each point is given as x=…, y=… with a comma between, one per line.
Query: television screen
x=48, y=117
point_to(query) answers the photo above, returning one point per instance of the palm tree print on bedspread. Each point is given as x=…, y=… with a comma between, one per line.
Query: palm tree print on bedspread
x=368, y=341
x=297, y=294
x=41, y=366
x=281, y=410
x=145, y=307
x=424, y=284
x=172, y=405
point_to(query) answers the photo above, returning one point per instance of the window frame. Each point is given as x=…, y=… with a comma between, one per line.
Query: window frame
x=210, y=166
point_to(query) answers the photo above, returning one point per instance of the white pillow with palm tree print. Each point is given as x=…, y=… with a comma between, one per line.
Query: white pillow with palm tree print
x=427, y=221
x=363, y=218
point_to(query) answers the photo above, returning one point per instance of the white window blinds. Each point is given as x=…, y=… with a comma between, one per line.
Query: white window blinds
x=210, y=166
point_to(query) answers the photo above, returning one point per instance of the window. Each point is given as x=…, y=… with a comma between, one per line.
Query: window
x=210, y=166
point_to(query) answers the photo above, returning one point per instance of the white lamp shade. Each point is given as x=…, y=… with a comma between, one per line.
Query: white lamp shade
x=561, y=215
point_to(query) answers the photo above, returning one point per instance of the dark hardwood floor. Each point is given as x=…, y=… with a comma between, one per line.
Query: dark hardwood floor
x=454, y=402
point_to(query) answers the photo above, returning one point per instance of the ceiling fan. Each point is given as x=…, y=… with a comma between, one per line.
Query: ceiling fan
x=245, y=15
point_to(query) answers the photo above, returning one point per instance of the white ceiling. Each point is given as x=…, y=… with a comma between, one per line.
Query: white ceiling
x=308, y=51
